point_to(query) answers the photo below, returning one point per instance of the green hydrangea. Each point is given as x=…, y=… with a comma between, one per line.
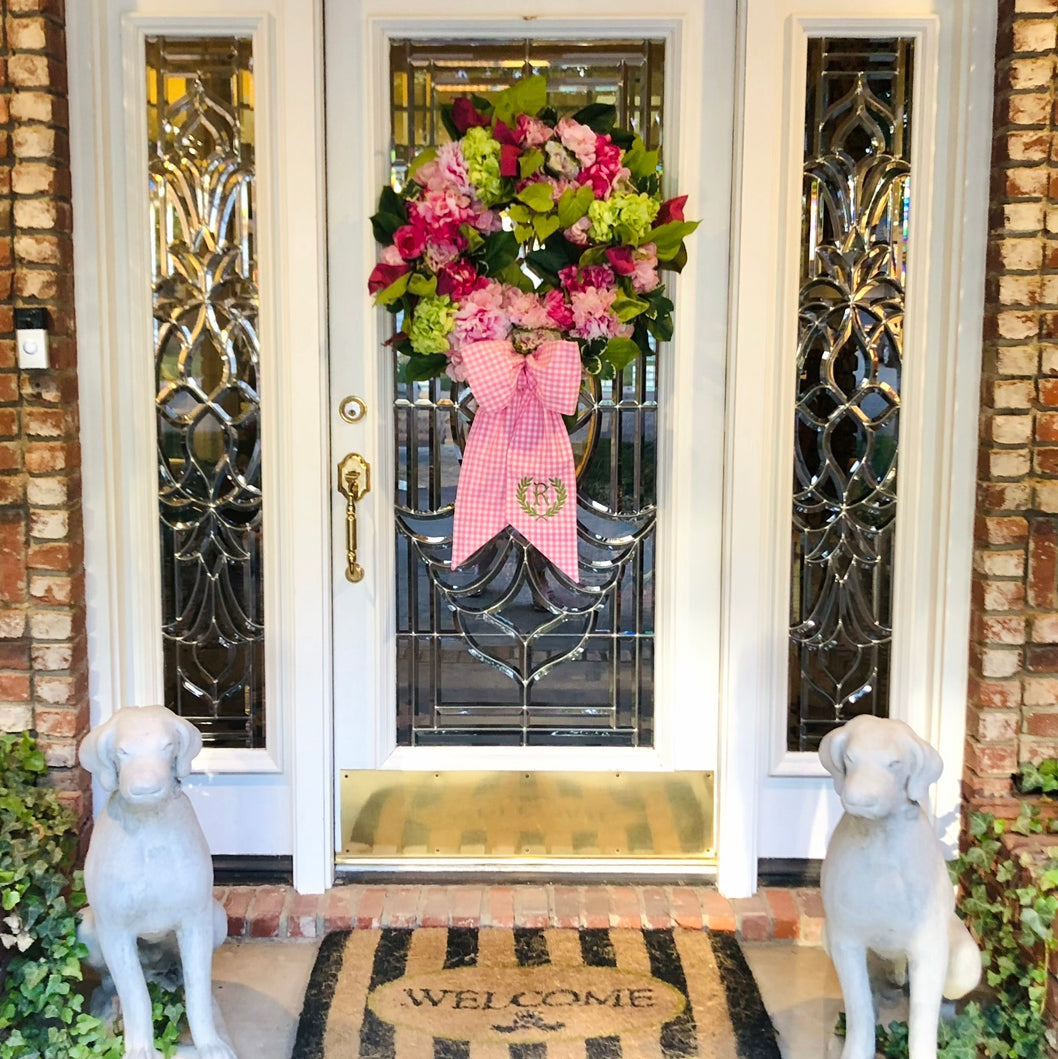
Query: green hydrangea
x=433, y=319
x=482, y=154
x=633, y=213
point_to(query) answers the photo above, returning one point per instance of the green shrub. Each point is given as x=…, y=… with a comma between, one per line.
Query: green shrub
x=42, y=1012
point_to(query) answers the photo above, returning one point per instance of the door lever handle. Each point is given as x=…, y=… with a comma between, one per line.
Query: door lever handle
x=354, y=481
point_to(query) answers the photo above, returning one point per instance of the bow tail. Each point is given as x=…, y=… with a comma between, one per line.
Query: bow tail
x=479, y=510
x=542, y=493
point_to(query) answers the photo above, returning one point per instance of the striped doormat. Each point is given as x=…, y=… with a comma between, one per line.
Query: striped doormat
x=436, y=993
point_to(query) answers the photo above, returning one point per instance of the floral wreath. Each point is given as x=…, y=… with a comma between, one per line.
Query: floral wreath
x=528, y=228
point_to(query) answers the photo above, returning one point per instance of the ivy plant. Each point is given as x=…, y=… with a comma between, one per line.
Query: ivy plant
x=42, y=1006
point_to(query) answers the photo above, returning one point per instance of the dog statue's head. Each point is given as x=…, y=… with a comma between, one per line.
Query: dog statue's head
x=143, y=751
x=879, y=765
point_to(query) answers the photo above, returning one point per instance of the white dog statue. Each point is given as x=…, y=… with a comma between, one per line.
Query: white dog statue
x=884, y=884
x=148, y=873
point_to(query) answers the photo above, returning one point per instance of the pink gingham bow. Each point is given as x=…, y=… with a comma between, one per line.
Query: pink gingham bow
x=518, y=464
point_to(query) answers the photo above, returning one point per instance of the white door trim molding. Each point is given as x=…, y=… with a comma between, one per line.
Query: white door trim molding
x=758, y=780
x=291, y=780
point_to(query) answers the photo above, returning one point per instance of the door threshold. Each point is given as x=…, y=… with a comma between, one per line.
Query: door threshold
x=670, y=871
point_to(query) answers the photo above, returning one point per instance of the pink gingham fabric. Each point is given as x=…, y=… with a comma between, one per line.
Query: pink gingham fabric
x=518, y=459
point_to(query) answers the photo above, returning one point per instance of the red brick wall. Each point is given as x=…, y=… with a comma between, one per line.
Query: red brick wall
x=1013, y=693
x=43, y=659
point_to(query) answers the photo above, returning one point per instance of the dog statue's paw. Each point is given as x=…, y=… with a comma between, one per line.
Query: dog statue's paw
x=215, y=1050
x=142, y=1051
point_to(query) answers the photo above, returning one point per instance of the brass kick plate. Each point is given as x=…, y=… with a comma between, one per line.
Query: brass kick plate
x=527, y=815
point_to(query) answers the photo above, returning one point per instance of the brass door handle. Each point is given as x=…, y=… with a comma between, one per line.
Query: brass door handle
x=354, y=481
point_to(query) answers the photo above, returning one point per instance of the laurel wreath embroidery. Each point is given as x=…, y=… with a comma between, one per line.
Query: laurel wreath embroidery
x=560, y=498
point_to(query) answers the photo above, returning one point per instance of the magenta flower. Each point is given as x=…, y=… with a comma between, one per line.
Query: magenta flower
x=558, y=312
x=410, y=240
x=459, y=279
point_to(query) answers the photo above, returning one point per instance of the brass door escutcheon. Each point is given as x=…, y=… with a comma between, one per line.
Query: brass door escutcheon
x=354, y=481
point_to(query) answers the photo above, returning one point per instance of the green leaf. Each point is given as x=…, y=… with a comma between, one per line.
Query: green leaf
x=668, y=238
x=446, y=119
x=500, y=249
x=544, y=226
x=620, y=352
x=417, y=368
x=421, y=286
x=394, y=291
x=640, y=162
x=529, y=162
x=520, y=214
x=573, y=205
x=599, y=117
x=528, y=95
x=537, y=197
x=628, y=307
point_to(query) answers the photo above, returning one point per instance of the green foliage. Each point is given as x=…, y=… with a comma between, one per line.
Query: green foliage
x=42, y=1012
x=1042, y=777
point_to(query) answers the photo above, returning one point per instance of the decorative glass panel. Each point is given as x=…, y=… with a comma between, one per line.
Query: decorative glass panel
x=201, y=164
x=507, y=651
x=850, y=346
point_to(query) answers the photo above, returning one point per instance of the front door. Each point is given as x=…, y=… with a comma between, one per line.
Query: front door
x=501, y=710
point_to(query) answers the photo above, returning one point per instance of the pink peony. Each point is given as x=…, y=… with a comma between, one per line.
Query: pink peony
x=526, y=309
x=447, y=170
x=592, y=315
x=480, y=317
x=443, y=210
x=645, y=269
x=577, y=138
x=558, y=312
x=532, y=131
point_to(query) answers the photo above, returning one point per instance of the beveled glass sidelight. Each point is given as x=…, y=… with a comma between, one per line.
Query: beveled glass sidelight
x=200, y=120
x=854, y=251
x=506, y=650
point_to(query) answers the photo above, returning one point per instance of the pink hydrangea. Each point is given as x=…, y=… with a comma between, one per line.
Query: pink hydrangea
x=577, y=233
x=481, y=316
x=645, y=268
x=437, y=255
x=526, y=309
x=447, y=170
x=592, y=313
x=532, y=131
x=454, y=368
x=577, y=138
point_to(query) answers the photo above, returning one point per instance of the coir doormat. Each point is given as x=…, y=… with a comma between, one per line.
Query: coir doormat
x=435, y=993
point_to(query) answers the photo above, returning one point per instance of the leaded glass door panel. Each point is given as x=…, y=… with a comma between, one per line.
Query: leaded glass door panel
x=504, y=684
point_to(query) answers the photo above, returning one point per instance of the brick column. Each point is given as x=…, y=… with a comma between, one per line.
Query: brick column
x=43, y=657
x=1013, y=692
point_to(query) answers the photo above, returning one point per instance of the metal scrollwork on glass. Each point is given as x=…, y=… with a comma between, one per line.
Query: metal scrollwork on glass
x=206, y=356
x=850, y=348
x=506, y=650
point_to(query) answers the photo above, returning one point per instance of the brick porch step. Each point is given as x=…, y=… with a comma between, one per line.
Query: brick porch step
x=773, y=914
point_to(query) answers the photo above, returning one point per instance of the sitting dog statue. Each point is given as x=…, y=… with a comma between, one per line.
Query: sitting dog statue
x=884, y=884
x=148, y=873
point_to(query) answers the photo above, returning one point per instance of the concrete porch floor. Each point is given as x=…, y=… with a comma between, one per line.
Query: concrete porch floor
x=261, y=972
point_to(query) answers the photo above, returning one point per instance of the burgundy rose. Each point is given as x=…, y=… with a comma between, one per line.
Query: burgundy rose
x=620, y=258
x=670, y=211
x=458, y=280
x=383, y=275
x=465, y=115
x=503, y=133
x=509, y=160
